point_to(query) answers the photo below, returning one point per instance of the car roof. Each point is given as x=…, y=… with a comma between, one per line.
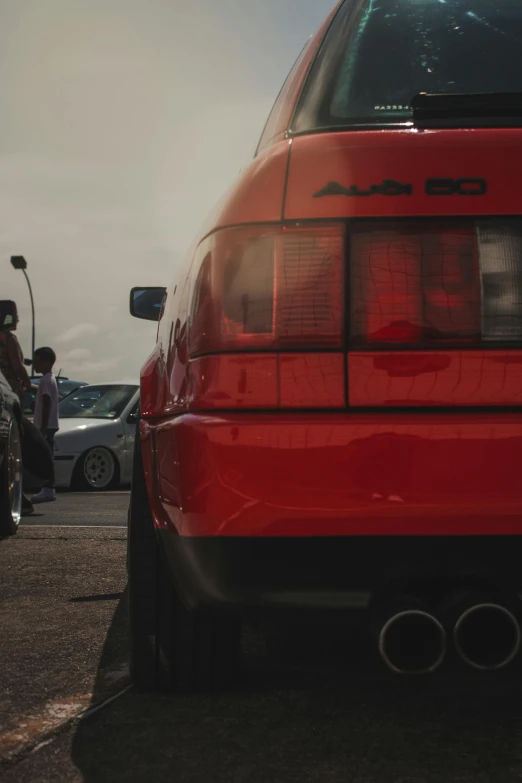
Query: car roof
x=113, y=383
x=59, y=380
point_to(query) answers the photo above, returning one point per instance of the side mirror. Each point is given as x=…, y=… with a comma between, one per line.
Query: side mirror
x=145, y=303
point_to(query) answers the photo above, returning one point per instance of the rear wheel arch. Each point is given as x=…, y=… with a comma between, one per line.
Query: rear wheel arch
x=171, y=647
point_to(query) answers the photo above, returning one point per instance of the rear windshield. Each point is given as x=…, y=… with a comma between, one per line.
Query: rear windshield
x=379, y=54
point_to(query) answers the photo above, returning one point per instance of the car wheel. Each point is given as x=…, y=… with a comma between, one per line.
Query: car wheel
x=11, y=482
x=97, y=470
x=171, y=647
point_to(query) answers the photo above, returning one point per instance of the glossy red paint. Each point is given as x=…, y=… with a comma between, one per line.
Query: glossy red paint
x=311, y=380
x=242, y=381
x=340, y=474
x=152, y=395
x=266, y=381
x=257, y=194
x=435, y=378
x=409, y=157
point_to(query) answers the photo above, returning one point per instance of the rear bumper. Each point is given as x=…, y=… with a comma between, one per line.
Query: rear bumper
x=338, y=474
x=321, y=511
x=333, y=574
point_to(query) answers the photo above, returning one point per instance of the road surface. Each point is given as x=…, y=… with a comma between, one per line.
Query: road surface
x=326, y=715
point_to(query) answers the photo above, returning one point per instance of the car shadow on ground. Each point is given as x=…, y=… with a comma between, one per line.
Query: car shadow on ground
x=321, y=709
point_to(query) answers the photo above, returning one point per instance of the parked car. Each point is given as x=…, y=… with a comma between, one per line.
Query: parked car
x=10, y=460
x=331, y=415
x=94, y=445
x=10, y=441
x=65, y=387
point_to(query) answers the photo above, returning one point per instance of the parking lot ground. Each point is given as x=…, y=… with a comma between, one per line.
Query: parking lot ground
x=77, y=509
x=323, y=712
x=59, y=589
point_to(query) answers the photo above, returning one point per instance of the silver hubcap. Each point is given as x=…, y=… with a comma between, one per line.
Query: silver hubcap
x=98, y=468
x=14, y=473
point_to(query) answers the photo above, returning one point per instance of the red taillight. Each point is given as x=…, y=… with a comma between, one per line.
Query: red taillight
x=266, y=315
x=269, y=288
x=434, y=284
x=414, y=285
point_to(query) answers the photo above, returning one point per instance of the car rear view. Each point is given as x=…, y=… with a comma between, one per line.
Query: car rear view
x=331, y=417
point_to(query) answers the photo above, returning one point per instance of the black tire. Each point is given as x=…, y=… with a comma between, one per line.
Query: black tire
x=171, y=647
x=10, y=511
x=79, y=481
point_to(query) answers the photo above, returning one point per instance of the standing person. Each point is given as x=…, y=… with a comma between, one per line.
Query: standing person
x=12, y=365
x=46, y=412
x=11, y=356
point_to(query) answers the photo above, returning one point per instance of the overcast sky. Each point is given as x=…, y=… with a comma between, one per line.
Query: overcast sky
x=123, y=122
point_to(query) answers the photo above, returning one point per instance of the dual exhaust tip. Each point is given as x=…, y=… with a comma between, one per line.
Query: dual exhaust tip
x=484, y=633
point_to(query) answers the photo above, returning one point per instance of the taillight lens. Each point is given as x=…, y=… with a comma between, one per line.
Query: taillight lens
x=501, y=276
x=268, y=288
x=431, y=283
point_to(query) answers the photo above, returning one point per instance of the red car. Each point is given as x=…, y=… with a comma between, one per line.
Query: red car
x=332, y=414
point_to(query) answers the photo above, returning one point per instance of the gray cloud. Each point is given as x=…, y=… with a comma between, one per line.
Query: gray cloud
x=74, y=333
x=84, y=369
x=77, y=355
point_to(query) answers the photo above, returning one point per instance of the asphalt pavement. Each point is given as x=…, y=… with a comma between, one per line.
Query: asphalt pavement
x=78, y=509
x=320, y=711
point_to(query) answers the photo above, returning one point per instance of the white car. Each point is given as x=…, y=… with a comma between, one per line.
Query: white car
x=94, y=446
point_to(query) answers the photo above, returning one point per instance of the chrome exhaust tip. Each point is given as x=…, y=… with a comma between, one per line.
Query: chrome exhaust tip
x=487, y=636
x=412, y=641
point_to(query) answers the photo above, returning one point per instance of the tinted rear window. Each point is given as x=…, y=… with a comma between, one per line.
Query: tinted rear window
x=379, y=54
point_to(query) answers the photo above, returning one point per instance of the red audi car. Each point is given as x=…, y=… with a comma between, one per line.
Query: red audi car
x=332, y=414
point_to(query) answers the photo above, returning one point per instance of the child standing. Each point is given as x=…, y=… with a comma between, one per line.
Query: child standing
x=46, y=411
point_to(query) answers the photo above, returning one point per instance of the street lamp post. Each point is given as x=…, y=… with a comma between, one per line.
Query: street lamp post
x=19, y=262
